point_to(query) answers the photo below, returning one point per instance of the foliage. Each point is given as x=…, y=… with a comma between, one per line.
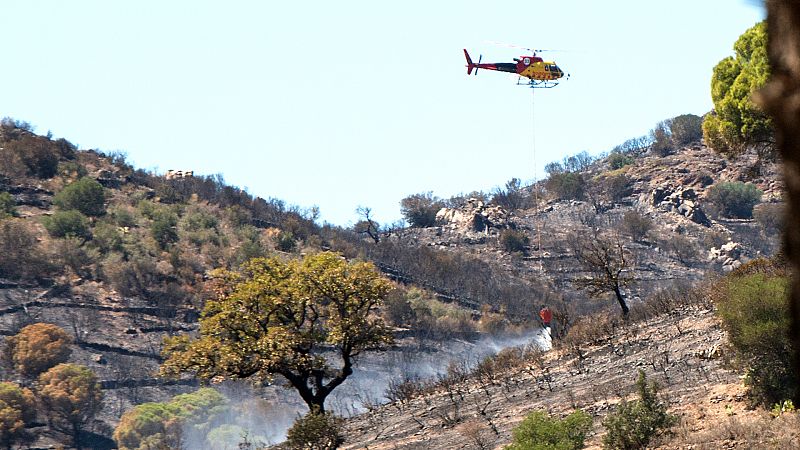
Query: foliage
x=539, y=431
x=315, y=431
x=29, y=155
x=685, y=129
x=275, y=316
x=7, y=205
x=567, y=185
x=85, y=195
x=618, y=160
x=397, y=308
x=634, y=424
x=285, y=241
x=17, y=409
x=636, y=225
x=753, y=307
x=69, y=223
x=22, y=256
x=159, y=425
x=72, y=397
x=420, y=210
x=164, y=229
x=770, y=216
x=662, y=144
x=36, y=348
x=737, y=123
x=512, y=197
x=514, y=240
x=734, y=199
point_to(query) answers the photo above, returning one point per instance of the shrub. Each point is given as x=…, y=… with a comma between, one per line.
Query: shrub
x=85, y=195
x=770, y=216
x=618, y=160
x=7, y=205
x=634, y=424
x=17, y=410
x=67, y=224
x=315, y=431
x=397, y=309
x=107, y=238
x=636, y=225
x=22, y=257
x=285, y=241
x=514, y=240
x=685, y=129
x=30, y=155
x=567, y=185
x=37, y=348
x=661, y=141
x=539, y=431
x=682, y=248
x=420, y=210
x=753, y=307
x=164, y=229
x=734, y=199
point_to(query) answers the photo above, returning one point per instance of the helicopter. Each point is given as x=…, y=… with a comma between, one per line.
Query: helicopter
x=540, y=73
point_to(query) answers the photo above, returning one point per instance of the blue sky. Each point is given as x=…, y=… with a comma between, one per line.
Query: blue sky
x=356, y=103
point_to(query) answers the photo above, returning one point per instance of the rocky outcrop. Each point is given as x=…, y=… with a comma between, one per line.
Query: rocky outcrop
x=728, y=256
x=679, y=200
x=474, y=216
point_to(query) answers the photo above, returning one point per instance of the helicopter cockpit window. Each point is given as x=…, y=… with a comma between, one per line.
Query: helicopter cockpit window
x=547, y=67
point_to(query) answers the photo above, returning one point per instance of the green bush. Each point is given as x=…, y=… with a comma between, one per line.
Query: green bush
x=514, y=240
x=315, y=431
x=420, y=210
x=734, y=199
x=686, y=128
x=7, y=205
x=634, y=424
x=618, y=160
x=753, y=306
x=69, y=223
x=539, y=431
x=285, y=241
x=164, y=229
x=85, y=195
x=567, y=185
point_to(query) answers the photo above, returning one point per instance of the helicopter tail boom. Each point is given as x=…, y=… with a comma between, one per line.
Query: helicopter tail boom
x=470, y=64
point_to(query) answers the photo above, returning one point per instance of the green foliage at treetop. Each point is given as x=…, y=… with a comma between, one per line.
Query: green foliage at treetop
x=737, y=123
x=539, y=431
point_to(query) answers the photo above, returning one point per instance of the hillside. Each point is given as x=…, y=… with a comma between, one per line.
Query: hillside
x=121, y=279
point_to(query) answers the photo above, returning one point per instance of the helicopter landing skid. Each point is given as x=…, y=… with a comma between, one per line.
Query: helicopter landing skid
x=537, y=84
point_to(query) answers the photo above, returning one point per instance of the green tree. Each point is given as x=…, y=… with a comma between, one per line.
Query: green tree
x=736, y=123
x=420, y=210
x=85, y=195
x=17, y=409
x=539, y=431
x=634, y=424
x=164, y=229
x=276, y=318
x=72, y=397
x=734, y=199
x=69, y=223
x=685, y=129
x=567, y=185
x=36, y=348
x=160, y=425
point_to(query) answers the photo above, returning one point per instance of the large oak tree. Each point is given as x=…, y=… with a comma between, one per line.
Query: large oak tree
x=288, y=318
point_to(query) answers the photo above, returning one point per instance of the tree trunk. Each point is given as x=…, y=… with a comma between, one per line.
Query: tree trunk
x=781, y=99
x=622, y=303
x=76, y=436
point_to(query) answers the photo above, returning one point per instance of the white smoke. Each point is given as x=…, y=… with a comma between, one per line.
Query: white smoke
x=263, y=416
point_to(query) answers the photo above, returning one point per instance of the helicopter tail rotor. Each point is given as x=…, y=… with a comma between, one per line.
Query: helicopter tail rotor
x=470, y=64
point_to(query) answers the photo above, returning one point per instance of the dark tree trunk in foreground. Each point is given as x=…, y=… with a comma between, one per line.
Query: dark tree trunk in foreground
x=781, y=99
